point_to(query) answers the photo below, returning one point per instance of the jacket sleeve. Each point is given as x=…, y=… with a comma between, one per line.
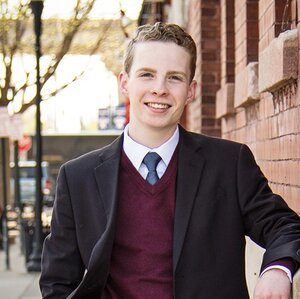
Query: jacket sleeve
x=267, y=218
x=62, y=266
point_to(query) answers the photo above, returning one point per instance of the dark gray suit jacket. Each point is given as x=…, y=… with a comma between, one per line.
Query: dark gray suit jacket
x=221, y=197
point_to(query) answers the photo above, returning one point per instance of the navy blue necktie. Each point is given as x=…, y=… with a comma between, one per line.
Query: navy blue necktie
x=151, y=160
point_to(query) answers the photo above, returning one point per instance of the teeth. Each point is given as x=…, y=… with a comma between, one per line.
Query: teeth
x=158, y=105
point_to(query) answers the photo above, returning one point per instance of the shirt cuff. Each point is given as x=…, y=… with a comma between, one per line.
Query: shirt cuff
x=283, y=268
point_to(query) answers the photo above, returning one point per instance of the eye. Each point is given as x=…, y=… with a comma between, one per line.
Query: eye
x=146, y=75
x=175, y=78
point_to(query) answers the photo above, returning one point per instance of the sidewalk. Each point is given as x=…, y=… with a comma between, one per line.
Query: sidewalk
x=17, y=283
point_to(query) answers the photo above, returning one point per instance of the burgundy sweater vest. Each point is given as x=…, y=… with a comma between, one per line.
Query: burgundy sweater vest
x=141, y=263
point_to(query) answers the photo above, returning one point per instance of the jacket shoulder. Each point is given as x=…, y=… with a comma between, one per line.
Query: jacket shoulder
x=211, y=143
x=95, y=157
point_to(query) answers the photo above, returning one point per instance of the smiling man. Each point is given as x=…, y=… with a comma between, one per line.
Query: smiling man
x=159, y=86
x=161, y=212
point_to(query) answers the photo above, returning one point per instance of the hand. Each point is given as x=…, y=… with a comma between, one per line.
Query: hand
x=273, y=284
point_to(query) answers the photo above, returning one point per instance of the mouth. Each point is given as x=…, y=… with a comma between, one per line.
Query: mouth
x=157, y=105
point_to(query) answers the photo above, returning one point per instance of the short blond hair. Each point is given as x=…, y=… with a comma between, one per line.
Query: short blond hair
x=166, y=33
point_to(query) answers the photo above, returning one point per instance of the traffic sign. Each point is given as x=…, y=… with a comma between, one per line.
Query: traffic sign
x=25, y=143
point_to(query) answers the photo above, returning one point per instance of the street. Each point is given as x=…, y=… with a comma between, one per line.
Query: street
x=17, y=283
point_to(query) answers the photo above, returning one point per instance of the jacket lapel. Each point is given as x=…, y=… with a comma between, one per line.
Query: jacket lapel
x=190, y=166
x=106, y=175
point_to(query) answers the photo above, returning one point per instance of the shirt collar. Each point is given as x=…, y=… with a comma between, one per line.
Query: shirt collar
x=136, y=151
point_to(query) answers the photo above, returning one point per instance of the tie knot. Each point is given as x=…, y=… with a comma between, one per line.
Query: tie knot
x=151, y=160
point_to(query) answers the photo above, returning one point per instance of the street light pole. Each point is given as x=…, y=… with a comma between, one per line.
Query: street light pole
x=34, y=263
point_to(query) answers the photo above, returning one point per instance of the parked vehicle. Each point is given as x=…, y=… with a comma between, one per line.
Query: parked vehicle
x=27, y=183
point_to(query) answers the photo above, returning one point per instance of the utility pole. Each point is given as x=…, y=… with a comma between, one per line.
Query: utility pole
x=34, y=263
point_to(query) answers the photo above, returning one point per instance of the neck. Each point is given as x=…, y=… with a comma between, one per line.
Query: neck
x=150, y=138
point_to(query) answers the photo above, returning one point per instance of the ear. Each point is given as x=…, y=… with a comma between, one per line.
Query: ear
x=191, y=92
x=123, y=82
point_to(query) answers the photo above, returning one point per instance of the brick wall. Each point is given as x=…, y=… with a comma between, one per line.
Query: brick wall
x=249, y=76
x=193, y=113
x=204, y=25
x=246, y=33
x=272, y=19
x=227, y=42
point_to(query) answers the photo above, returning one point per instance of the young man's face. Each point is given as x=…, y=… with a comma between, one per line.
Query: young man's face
x=158, y=86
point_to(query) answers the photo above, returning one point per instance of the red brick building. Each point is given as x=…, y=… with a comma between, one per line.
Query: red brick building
x=248, y=75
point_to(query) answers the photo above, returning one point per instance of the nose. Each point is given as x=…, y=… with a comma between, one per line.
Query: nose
x=159, y=88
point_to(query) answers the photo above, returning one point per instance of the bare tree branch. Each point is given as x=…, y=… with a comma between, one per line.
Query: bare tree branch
x=73, y=26
x=77, y=35
x=62, y=87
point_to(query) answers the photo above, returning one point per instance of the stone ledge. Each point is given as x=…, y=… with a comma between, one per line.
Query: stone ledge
x=246, y=86
x=296, y=285
x=224, y=100
x=278, y=63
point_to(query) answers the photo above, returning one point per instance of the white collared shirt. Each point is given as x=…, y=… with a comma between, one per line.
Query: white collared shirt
x=136, y=153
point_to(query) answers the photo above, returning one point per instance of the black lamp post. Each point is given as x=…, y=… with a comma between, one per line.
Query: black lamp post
x=34, y=263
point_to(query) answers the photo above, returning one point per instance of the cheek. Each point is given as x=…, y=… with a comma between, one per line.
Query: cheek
x=182, y=98
x=138, y=92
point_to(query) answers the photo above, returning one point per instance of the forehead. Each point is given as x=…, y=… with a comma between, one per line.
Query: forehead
x=158, y=53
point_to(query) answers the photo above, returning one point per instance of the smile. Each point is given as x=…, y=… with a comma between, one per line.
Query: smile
x=158, y=105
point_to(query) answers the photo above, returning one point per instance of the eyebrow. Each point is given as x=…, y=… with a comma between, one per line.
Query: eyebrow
x=148, y=69
x=145, y=69
x=178, y=73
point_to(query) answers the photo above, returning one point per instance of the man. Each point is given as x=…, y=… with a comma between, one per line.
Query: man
x=170, y=224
